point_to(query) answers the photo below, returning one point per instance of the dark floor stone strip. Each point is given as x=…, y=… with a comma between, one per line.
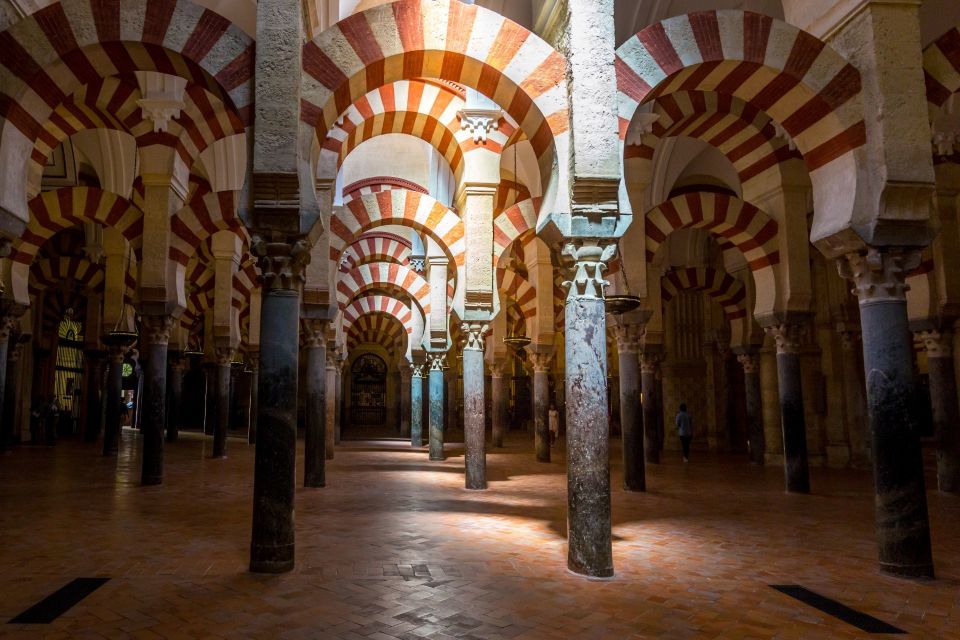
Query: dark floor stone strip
x=60, y=601
x=840, y=611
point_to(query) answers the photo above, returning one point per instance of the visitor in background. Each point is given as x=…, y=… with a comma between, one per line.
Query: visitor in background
x=684, y=430
x=554, y=422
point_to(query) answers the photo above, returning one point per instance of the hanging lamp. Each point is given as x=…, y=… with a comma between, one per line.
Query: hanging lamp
x=621, y=303
x=121, y=336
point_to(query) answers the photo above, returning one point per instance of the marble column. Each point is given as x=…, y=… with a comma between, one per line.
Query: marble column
x=474, y=407
x=253, y=358
x=590, y=542
x=540, y=362
x=946, y=412
x=332, y=373
x=224, y=357
x=750, y=362
x=417, y=378
x=272, y=543
x=154, y=339
x=178, y=365
x=793, y=423
x=315, y=440
x=649, y=364
x=111, y=431
x=903, y=529
x=405, y=377
x=436, y=401
x=854, y=401
x=631, y=412
x=500, y=390
x=8, y=420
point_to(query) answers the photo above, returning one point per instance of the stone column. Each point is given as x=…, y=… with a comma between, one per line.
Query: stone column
x=903, y=530
x=111, y=431
x=946, y=412
x=94, y=382
x=154, y=338
x=474, y=406
x=175, y=396
x=272, y=543
x=209, y=397
x=436, y=401
x=590, y=544
x=787, y=337
x=854, y=400
x=418, y=375
x=649, y=364
x=750, y=362
x=8, y=322
x=224, y=357
x=631, y=412
x=253, y=358
x=315, y=418
x=8, y=426
x=332, y=373
x=540, y=362
x=405, y=377
x=338, y=401
x=500, y=390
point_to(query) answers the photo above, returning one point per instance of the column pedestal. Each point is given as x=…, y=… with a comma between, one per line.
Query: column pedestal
x=155, y=333
x=474, y=407
x=437, y=402
x=754, y=401
x=631, y=412
x=315, y=411
x=787, y=337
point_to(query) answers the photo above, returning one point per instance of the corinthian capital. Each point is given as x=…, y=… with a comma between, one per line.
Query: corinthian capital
x=750, y=362
x=283, y=264
x=314, y=332
x=436, y=360
x=628, y=337
x=786, y=335
x=650, y=361
x=473, y=333
x=938, y=344
x=588, y=261
x=541, y=361
x=879, y=275
x=156, y=329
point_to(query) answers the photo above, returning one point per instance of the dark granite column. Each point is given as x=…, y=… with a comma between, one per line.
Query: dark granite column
x=500, y=390
x=750, y=361
x=210, y=398
x=222, y=380
x=154, y=338
x=856, y=405
x=417, y=379
x=253, y=357
x=474, y=407
x=903, y=529
x=787, y=337
x=631, y=416
x=590, y=544
x=272, y=544
x=946, y=413
x=94, y=381
x=111, y=431
x=8, y=323
x=338, y=401
x=8, y=420
x=405, y=376
x=436, y=400
x=177, y=365
x=540, y=362
x=649, y=364
x=331, y=375
x=315, y=410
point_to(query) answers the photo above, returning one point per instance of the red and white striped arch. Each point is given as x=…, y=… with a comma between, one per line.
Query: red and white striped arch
x=202, y=217
x=513, y=223
x=729, y=293
x=378, y=304
x=744, y=134
x=50, y=53
x=50, y=272
x=941, y=70
x=376, y=247
x=799, y=81
x=513, y=287
x=401, y=207
x=387, y=276
x=376, y=328
x=448, y=40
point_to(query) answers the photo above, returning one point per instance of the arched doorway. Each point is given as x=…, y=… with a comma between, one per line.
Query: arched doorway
x=368, y=392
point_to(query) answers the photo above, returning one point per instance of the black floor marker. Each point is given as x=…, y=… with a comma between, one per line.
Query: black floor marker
x=840, y=611
x=60, y=601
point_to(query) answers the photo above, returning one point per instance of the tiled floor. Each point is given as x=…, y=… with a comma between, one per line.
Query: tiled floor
x=393, y=547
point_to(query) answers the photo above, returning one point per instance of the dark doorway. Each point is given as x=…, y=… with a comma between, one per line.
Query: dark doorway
x=368, y=391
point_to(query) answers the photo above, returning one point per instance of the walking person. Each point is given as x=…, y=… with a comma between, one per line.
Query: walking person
x=685, y=430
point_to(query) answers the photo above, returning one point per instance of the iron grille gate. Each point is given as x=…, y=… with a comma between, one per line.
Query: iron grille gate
x=368, y=391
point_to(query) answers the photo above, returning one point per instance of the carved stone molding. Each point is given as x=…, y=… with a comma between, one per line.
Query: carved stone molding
x=787, y=336
x=628, y=337
x=480, y=122
x=418, y=264
x=283, y=265
x=938, y=344
x=314, y=332
x=650, y=362
x=473, y=333
x=588, y=262
x=879, y=275
x=276, y=193
x=156, y=329
x=540, y=361
x=750, y=362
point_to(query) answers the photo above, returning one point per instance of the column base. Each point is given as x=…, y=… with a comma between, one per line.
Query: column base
x=150, y=481
x=272, y=560
x=583, y=572
x=915, y=571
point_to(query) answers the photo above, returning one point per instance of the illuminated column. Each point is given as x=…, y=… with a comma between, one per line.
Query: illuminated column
x=332, y=373
x=474, y=407
x=419, y=374
x=436, y=401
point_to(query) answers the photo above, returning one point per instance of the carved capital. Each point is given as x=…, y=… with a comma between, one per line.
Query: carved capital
x=786, y=335
x=480, y=122
x=879, y=275
x=498, y=369
x=332, y=361
x=419, y=369
x=938, y=344
x=437, y=360
x=314, y=332
x=650, y=362
x=540, y=360
x=282, y=264
x=750, y=362
x=224, y=356
x=473, y=333
x=628, y=337
x=7, y=324
x=417, y=264
x=156, y=329
x=588, y=261
x=253, y=360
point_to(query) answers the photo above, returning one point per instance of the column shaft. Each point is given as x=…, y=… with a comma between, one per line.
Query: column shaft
x=331, y=409
x=791, y=407
x=651, y=428
x=436, y=406
x=7, y=323
x=174, y=398
x=499, y=388
x=254, y=397
x=405, y=401
x=155, y=332
x=754, y=401
x=222, y=404
x=946, y=422
x=111, y=432
x=315, y=411
x=416, y=406
x=8, y=417
x=631, y=420
x=474, y=409
x=541, y=406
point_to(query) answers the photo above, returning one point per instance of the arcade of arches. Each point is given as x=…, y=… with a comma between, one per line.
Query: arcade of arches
x=467, y=226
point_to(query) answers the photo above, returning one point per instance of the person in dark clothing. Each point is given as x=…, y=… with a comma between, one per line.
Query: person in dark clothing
x=685, y=430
